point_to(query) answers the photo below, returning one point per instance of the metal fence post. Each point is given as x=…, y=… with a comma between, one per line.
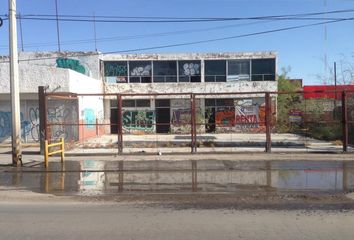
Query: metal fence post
x=42, y=107
x=119, y=124
x=193, y=123
x=345, y=121
x=268, y=116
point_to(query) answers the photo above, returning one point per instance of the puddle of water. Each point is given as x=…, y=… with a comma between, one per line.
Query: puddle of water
x=89, y=177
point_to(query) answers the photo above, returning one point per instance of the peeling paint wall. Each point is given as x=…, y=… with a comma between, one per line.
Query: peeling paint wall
x=239, y=86
x=188, y=56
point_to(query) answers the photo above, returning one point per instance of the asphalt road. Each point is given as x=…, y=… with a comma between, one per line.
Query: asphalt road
x=78, y=220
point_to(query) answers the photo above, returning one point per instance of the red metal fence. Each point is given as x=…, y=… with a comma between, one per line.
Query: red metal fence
x=252, y=121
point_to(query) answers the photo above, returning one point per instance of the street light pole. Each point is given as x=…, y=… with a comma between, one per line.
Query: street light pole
x=14, y=87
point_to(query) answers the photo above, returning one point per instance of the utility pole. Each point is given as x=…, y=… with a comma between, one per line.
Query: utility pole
x=14, y=87
x=57, y=18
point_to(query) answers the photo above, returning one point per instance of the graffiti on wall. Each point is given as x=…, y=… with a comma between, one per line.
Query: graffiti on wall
x=29, y=127
x=114, y=69
x=181, y=120
x=191, y=69
x=181, y=116
x=72, y=64
x=141, y=71
x=63, y=113
x=225, y=117
x=141, y=120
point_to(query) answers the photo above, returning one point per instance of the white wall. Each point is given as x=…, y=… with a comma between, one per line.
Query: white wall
x=227, y=87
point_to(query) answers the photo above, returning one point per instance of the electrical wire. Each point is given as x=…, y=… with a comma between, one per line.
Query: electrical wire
x=139, y=36
x=196, y=42
x=192, y=18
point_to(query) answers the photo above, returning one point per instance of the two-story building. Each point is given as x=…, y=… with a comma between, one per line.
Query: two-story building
x=201, y=73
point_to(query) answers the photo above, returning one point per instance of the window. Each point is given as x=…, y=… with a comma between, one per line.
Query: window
x=238, y=70
x=189, y=71
x=215, y=71
x=116, y=71
x=140, y=71
x=132, y=103
x=263, y=70
x=136, y=103
x=165, y=71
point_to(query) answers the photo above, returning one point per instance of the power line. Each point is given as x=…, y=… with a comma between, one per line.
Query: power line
x=134, y=19
x=178, y=21
x=191, y=18
x=139, y=36
x=196, y=42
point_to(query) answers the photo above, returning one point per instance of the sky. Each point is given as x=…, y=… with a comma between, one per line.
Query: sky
x=302, y=50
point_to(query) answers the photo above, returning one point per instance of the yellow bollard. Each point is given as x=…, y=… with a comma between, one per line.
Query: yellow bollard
x=46, y=153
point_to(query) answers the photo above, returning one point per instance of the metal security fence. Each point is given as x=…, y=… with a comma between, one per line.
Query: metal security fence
x=199, y=122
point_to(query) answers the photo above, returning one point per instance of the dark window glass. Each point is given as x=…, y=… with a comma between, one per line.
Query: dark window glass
x=263, y=69
x=220, y=78
x=215, y=67
x=146, y=79
x=189, y=69
x=159, y=79
x=128, y=103
x=165, y=69
x=114, y=103
x=115, y=68
x=209, y=102
x=238, y=70
x=140, y=68
x=209, y=79
x=195, y=78
x=184, y=78
x=143, y=103
x=225, y=102
x=171, y=79
x=162, y=103
x=134, y=79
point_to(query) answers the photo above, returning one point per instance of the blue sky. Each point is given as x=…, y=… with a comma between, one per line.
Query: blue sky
x=302, y=50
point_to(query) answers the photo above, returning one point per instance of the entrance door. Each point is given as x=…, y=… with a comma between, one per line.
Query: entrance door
x=163, y=116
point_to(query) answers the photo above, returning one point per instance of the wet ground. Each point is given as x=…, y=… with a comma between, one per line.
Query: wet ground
x=101, y=178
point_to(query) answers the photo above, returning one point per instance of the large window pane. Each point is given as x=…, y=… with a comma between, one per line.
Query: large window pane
x=215, y=70
x=215, y=67
x=238, y=70
x=115, y=71
x=263, y=69
x=189, y=71
x=140, y=71
x=165, y=71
